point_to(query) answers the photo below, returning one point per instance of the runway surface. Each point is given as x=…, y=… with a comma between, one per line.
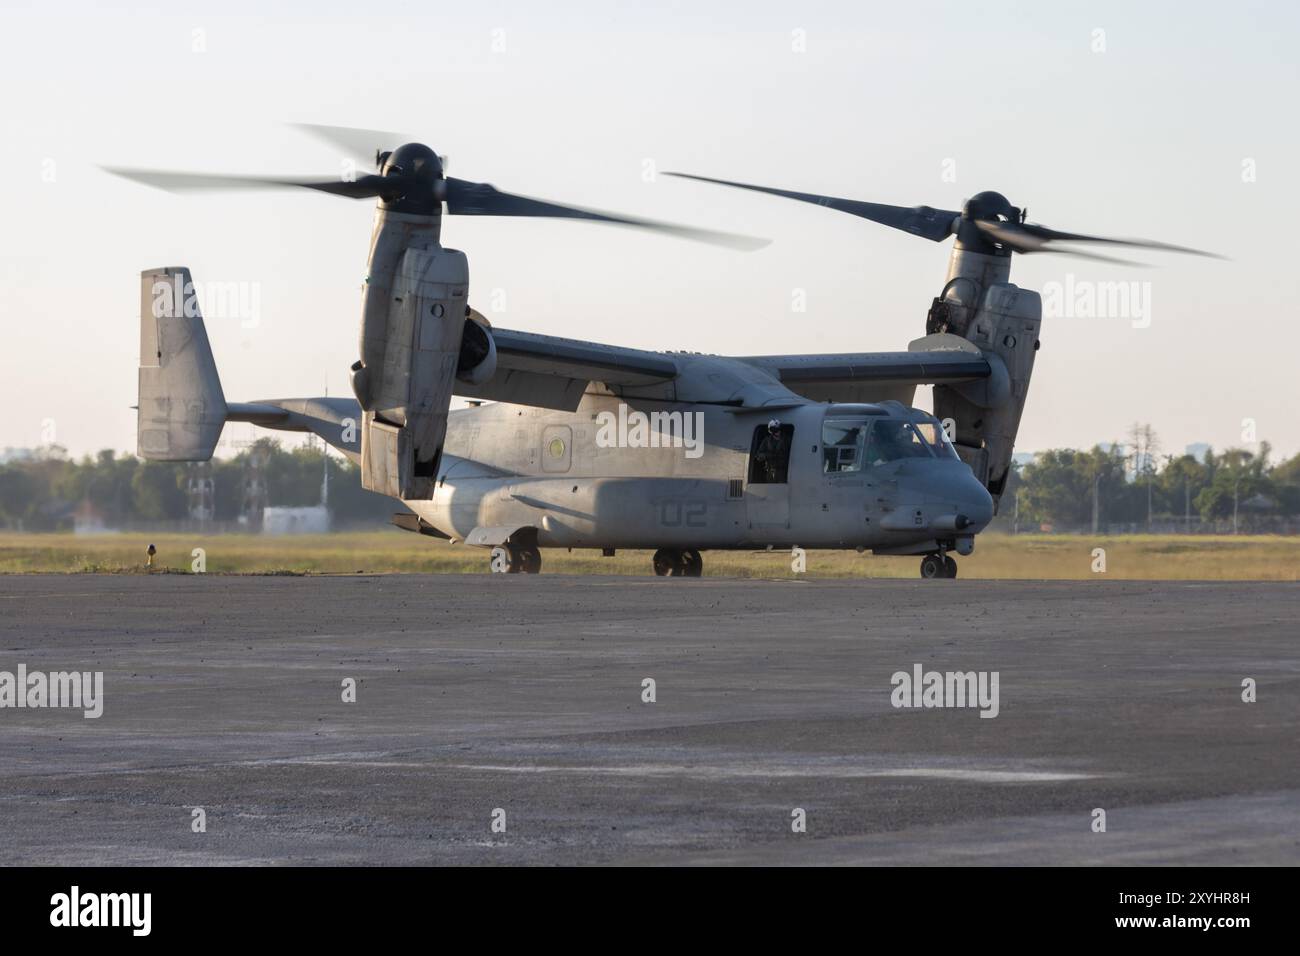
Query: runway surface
x=525, y=694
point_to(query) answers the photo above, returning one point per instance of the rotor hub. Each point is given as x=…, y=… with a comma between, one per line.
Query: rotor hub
x=419, y=184
x=990, y=205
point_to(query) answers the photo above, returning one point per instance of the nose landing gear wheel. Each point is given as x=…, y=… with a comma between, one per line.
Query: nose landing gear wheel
x=938, y=566
x=672, y=563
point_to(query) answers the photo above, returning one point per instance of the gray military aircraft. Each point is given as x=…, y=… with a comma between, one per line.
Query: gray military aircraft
x=584, y=445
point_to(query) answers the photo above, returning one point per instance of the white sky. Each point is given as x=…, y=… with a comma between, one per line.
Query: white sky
x=1147, y=138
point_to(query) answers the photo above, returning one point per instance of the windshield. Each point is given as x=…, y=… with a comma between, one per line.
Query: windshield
x=937, y=439
x=851, y=444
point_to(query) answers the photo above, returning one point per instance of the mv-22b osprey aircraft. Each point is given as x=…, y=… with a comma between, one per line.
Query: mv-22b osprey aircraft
x=584, y=445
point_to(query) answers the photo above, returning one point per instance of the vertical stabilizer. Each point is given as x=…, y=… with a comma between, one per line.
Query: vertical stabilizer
x=181, y=405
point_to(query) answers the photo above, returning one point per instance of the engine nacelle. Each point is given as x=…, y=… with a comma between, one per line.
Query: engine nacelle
x=413, y=319
x=478, y=352
x=987, y=415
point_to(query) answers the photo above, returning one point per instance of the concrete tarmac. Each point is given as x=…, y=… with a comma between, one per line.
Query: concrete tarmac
x=520, y=699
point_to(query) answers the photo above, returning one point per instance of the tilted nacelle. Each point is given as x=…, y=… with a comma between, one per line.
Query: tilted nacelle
x=413, y=321
x=1002, y=320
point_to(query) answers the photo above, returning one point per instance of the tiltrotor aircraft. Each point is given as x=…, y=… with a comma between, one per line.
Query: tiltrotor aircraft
x=583, y=445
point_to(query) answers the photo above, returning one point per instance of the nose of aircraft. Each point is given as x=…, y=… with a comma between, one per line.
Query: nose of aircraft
x=960, y=501
x=975, y=502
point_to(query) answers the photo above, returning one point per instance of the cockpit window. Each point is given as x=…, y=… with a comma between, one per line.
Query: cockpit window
x=892, y=439
x=842, y=443
x=851, y=444
x=937, y=439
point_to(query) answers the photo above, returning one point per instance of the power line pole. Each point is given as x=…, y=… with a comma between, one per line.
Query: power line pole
x=1149, y=504
x=1096, y=510
x=1235, y=485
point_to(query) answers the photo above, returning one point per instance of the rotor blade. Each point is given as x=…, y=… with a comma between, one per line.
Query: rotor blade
x=1042, y=232
x=481, y=199
x=932, y=224
x=1012, y=236
x=364, y=187
x=358, y=143
x=1096, y=257
x=363, y=144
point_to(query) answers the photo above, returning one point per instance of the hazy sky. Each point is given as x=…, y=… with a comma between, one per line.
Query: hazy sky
x=1173, y=121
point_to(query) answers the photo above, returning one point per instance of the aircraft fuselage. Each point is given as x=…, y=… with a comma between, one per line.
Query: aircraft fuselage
x=650, y=474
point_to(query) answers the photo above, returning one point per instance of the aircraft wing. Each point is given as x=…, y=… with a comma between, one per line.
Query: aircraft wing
x=554, y=372
x=877, y=376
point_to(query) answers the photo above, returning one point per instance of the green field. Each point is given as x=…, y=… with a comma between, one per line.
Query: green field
x=1056, y=557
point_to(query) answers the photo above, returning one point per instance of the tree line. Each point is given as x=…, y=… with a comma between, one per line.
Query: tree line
x=1133, y=488
x=1128, y=487
x=46, y=491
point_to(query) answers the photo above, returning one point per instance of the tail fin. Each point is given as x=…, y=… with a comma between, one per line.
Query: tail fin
x=182, y=408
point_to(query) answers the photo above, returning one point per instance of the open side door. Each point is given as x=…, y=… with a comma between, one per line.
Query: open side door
x=767, y=491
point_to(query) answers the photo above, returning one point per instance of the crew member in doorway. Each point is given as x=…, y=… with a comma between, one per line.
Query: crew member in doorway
x=771, y=454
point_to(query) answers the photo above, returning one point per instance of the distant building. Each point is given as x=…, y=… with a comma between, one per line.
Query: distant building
x=88, y=519
x=1023, y=458
x=16, y=454
x=1198, y=451
x=311, y=520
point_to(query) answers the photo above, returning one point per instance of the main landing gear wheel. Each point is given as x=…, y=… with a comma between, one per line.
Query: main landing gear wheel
x=938, y=566
x=672, y=563
x=530, y=561
x=507, y=559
